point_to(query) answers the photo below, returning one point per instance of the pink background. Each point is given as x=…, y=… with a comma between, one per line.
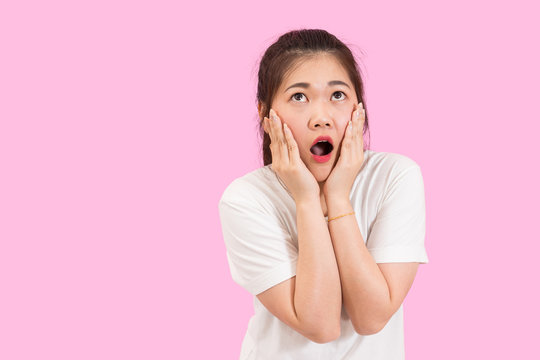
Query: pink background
x=123, y=122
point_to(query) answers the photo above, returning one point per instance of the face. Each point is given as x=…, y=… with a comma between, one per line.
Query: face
x=317, y=99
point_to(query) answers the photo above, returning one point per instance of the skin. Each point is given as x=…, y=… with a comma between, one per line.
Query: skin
x=334, y=267
x=320, y=109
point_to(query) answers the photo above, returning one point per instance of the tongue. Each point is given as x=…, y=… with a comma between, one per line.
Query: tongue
x=321, y=149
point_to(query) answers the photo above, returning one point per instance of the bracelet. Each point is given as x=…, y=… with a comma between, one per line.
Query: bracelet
x=337, y=217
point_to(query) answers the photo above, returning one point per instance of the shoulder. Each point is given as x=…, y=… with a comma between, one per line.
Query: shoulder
x=254, y=187
x=382, y=173
x=387, y=165
x=391, y=161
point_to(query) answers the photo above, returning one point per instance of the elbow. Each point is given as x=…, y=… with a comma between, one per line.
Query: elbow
x=322, y=331
x=323, y=337
x=322, y=334
x=368, y=328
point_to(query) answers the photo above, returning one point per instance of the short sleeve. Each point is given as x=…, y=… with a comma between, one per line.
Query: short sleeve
x=260, y=250
x=398, y=232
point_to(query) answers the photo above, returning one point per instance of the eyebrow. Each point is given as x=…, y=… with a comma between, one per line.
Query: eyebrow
x=306, y=85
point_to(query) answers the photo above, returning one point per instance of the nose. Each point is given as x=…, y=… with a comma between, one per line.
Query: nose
x=321, y=118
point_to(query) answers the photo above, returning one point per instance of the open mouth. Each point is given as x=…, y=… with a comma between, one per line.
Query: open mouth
x=322, y=148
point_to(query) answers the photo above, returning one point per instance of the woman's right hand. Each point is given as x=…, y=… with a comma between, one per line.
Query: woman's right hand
x=286, y=161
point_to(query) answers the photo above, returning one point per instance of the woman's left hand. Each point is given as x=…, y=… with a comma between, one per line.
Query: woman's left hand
x=339, y=183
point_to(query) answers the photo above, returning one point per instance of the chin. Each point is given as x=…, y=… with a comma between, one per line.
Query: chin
x=321, y=172
x=321, y=176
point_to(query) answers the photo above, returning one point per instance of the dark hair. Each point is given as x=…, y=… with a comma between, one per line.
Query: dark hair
x=284, y=55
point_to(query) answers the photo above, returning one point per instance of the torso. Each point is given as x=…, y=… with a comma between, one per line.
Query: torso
x=262, y=192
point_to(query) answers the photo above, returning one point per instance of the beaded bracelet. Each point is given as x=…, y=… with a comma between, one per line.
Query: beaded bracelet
x=337, y=217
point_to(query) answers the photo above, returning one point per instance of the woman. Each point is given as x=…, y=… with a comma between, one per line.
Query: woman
x=327, y=236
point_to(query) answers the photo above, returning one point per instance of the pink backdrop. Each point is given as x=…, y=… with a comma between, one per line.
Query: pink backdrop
x=123, y=122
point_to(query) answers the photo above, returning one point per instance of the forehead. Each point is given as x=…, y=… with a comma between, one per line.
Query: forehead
x=316, y=70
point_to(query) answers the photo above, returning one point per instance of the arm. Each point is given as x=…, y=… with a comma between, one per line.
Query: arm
x=372, y=292
x=310, y=303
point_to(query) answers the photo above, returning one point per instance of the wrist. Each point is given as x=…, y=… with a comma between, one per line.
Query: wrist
x=338, y=205
x=308, y=202
x=335, y=192
x=337, y=199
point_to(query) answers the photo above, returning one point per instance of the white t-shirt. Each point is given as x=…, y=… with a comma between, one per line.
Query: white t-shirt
x=258, y=218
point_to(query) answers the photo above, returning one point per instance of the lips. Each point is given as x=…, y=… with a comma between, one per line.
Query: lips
x=321, y=148
x=323, y=138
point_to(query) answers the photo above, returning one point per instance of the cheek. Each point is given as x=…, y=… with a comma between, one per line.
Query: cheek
x=298, y=134
x=295, y=124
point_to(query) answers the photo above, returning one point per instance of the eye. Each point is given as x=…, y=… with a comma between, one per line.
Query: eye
x=340, y=95
x=298, y=97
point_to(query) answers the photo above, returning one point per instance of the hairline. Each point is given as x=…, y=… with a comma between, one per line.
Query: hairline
x=304, y=56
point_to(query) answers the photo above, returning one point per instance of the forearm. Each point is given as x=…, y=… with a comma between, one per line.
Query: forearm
x=317, y=297
x=366, y=295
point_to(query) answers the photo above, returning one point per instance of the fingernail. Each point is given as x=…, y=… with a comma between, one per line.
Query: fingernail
x=273, y=114
x=361, y=105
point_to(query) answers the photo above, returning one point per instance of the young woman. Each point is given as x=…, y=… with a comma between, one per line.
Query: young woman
x=327, y=235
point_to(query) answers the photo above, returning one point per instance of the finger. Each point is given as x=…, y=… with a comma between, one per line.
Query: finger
x=361, y=127
x=273, y=149
x=356, y=120
x=265, y=126
x=354, y=114
x=355, y=134
x=268, y=129
x=356, y=146
x=292, y=146
x=346, y=145
x=362, y=116
x=277, y=128
x=274, y=145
